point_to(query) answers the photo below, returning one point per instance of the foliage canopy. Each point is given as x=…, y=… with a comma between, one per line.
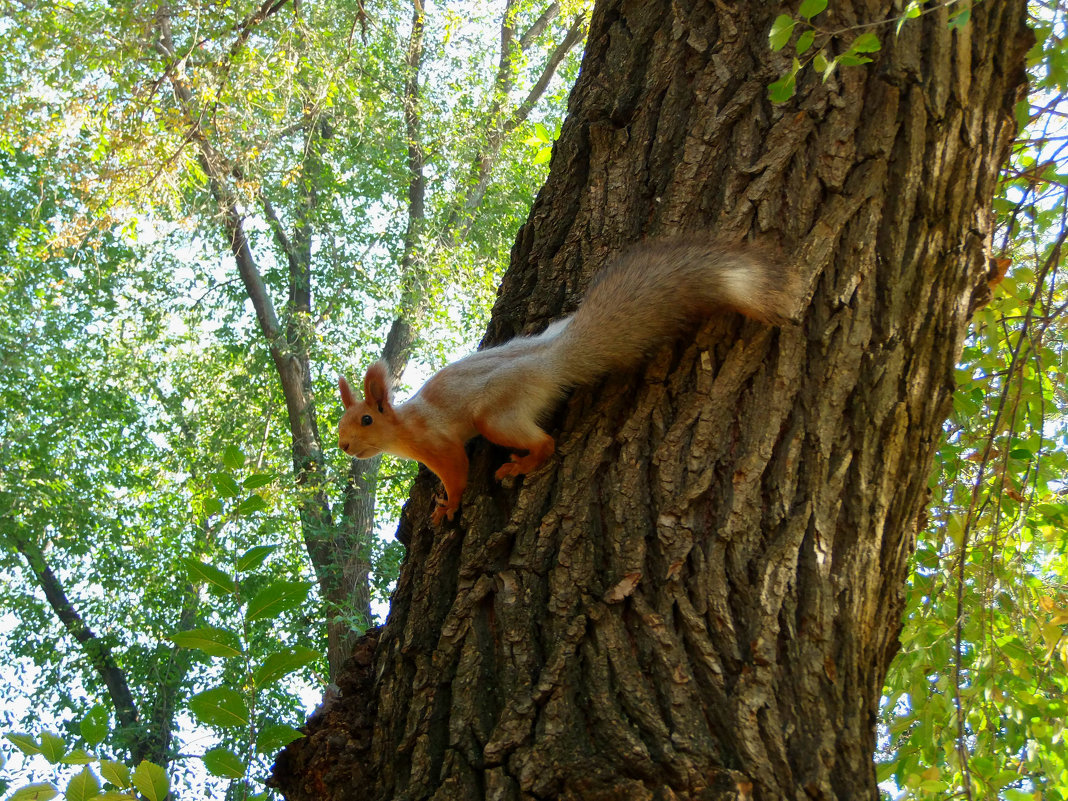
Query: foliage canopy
x=158, y=530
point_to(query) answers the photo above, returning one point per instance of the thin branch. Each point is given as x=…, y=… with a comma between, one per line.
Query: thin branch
x=416, y=159
x=247, y=269
x=211, y=289
x=244, y=31
x=244, y=28
x=401, y=333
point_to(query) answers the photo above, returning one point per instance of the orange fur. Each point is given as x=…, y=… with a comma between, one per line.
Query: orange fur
x=654, y=292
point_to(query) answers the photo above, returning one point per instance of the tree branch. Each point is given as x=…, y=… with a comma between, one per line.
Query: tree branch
x=483, y=167
x=503, y=82
x=539, y=26
x=401, y=335
x=574, y=35
x=416, y=158
x=214, y=165
x=280, y=235
x=98, y=652
x=288, y=349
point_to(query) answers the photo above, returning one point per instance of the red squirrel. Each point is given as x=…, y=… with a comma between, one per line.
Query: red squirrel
x=655, y=292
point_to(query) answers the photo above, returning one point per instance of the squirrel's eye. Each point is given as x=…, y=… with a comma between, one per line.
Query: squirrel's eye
x=366, y=420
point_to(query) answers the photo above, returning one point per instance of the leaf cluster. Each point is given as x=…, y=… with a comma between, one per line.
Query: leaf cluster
x=975, y=703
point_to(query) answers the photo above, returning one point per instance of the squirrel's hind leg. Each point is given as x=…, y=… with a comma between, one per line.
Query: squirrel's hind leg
x=513, y=432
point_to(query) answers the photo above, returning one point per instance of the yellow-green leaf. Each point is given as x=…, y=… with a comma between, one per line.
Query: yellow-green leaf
x=151, y=781
x=781, y=30
x=209, y=639
x=224, y=763
x=41, y=791
x=221, y=707
x=82, y=786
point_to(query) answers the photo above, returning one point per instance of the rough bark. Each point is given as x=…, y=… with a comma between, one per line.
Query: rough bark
x=699, y=595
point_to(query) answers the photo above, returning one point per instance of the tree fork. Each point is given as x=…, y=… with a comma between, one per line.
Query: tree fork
x=699, y=595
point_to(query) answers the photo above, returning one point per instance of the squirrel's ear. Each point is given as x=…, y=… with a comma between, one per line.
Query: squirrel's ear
x=347, y=398
x=376, y=385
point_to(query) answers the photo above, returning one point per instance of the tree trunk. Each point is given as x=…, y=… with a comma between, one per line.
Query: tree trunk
x=699, y=595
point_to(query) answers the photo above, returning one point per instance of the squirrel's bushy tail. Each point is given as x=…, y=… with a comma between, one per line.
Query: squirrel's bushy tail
x=656, y=290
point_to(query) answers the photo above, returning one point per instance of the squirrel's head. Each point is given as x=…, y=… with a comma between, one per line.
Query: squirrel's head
x=368, y=426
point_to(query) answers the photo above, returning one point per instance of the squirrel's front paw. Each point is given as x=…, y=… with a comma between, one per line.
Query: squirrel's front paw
x=444, y=510
x=521, y=465
x=508, y=469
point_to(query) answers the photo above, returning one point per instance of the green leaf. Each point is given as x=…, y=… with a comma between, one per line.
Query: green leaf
x=224, y=763
x=25, y=743
x=41, y=791
x=805, y=40
x=232, y=457
x=82, y=786
x=212, y=506
x=211, y=640
x=277, y=597
x=115, y=772
x=225, y=484
x=254, y=557
x=783, y=89
x=52, y=747
x=849, y=60
x=542, y=155
x=257, y=480
x=960, y=19
x=94, y=726
x=221, y=707
x=781, y=30
x=810, y=8
x=209, y=574
x=114, y=795
x=276, y=736
x=78, y=756
x=253, y=503
x=865, y=43
x=277, y=665
x=151, y=781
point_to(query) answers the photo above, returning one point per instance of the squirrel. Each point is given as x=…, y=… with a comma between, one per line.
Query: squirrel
x=653, y=293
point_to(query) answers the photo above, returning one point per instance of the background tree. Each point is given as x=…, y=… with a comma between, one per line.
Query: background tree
x=700, y=596
x=154, y=139
x=337, y=552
